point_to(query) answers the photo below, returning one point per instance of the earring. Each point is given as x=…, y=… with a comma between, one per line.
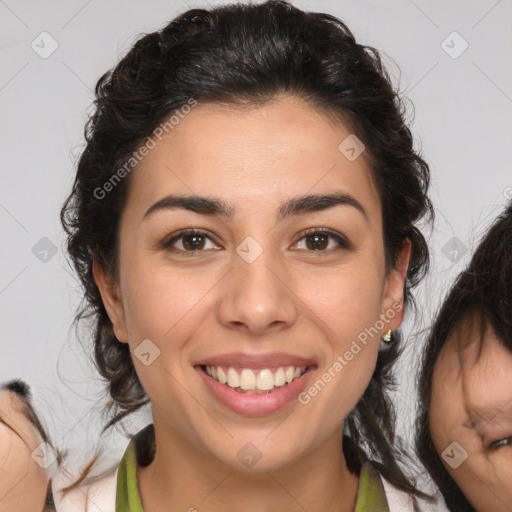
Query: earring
x=386, y=338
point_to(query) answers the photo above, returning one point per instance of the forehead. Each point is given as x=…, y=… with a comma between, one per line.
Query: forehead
x=480, y=368
x=284, y=148
x=11, y=411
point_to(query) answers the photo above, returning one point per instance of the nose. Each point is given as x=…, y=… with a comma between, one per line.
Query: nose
x=256, y=299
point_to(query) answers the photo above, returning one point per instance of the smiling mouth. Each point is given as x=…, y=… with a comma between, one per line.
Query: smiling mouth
x=261, y=381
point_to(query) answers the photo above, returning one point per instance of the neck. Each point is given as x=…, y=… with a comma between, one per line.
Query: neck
x=186, y=479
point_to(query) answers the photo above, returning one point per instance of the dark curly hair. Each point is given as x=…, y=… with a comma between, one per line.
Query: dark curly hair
x=483, y=291
x=244, y=55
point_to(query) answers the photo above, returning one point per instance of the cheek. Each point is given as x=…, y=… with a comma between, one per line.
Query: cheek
x=447, y=412
x=165, y=309
x=347, y=312
x=486, y=481
x=503, y=469
x=161, y=314
x=438, y=416
x=347, y=300
x=161, y=303
x=447, y=426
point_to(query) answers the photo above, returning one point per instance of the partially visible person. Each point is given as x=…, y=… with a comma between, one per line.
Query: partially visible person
x=25, y=485
x=464, y=430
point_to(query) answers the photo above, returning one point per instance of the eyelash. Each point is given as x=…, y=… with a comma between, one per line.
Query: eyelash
x=496, y=444
x=167, y=242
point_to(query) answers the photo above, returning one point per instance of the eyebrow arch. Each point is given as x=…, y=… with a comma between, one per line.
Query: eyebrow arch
x=216, y=207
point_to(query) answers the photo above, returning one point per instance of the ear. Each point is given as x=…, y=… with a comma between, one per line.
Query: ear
x=393, y=301
x=111, y=300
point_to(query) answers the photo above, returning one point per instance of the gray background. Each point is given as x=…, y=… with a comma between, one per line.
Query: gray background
x=462, y=124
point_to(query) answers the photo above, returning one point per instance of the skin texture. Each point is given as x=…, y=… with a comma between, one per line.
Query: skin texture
x=475, y=413
x=290, y=299
x=23, y=482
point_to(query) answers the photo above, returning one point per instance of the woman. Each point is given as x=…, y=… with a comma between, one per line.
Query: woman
x=243, y=222
x=465, y=427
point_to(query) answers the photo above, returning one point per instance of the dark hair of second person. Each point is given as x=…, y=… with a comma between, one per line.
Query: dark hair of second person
x=477, y=308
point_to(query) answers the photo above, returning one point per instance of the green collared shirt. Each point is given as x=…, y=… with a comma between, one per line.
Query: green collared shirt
x=370, y=495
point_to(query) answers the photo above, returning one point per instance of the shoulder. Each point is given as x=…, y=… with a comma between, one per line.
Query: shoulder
x=400, y=501
x=96, y=496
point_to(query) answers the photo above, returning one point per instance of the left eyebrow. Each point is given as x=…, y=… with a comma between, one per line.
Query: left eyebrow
x=299, y=205
x=315, y=203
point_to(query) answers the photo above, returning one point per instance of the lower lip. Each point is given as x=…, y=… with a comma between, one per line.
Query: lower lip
x=254, y=404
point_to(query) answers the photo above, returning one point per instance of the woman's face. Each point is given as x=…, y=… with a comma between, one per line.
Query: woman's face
x=471, y=416
x=250, y=293
x=23, y=482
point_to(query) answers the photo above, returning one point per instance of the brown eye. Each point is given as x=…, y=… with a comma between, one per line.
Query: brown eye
x=194, y=241
x=191, y=240
x=318, y=240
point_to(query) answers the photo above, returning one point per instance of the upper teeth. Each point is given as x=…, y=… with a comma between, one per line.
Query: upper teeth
x=249, y=379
